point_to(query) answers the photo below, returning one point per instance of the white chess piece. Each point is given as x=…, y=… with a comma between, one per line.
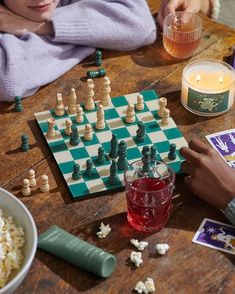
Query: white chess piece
x=140, y=102
x=88, y=133
x=79, y=118
x=26, y=191
x=59, y=107
x=44, y=185
x=100, y=124
x=89, y=103
x=165, y=118
x=130, y=114
x=68, y=126
x=162, y=106
x=106, y=101
x=32, y=179
x=51, y=128
x=72, y=107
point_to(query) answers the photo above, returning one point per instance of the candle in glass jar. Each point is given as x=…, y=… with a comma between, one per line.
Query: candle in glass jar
x=208, y=87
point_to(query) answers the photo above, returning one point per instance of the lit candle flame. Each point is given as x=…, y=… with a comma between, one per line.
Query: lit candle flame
x=198, y=78
x=221, y=80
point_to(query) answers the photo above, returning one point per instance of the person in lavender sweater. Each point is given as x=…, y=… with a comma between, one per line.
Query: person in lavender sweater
x=40, y=40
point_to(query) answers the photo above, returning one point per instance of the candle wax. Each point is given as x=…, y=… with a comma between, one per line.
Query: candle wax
x=210, y=81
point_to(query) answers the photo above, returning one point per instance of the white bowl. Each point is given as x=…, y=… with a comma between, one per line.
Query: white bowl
x=12, y=206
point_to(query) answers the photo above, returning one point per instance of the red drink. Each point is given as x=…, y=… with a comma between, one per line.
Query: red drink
x=148, y=203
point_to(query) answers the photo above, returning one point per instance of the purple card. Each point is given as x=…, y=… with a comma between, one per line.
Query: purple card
x=224, y=143
x=216, y=235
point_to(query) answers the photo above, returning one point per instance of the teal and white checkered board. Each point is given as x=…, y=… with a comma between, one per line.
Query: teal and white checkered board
x=66, y=155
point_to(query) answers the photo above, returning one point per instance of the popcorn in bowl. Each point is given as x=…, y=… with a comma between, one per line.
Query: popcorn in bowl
x=11, y=243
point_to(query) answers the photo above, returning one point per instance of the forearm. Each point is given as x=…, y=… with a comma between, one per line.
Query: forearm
x=120, y=25
x=28, y=62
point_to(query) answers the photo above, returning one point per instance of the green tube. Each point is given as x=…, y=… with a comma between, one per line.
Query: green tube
x=76, y=251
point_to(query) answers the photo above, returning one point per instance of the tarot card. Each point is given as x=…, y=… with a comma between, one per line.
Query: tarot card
x=216, y=235
x=224, y=143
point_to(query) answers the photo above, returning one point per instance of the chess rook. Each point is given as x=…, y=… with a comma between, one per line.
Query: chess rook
x=59, y=107
x=162, y=106
x=51, y=128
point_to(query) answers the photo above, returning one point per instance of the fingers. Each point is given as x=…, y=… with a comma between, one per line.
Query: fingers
x=190, y=155
x=187, y=168
x=198, y=146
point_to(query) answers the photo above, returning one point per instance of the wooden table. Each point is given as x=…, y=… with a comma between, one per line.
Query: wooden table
x=187, y=268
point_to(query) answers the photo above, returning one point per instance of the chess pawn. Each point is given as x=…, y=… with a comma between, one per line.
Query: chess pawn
x=68, y=126
x=26, y=191
x=162, y=106
x=44, y=185
x=51, y=128
x=79, y=118
x=100, y=124
x=140, y=102
x=106, y=101
x=59, y=108
x=130, y=114
x=32, y=179
x=88, y=133
x=165, y=118
x=72, y=107
x=89, y=102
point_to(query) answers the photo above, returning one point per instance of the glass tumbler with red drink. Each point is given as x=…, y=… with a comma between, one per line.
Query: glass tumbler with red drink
x=149, y=187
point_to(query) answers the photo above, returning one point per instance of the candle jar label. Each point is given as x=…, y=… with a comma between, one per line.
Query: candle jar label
x=207, y=103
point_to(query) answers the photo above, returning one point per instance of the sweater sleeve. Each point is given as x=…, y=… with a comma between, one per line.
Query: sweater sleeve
x=28, y=62
x=109, y=24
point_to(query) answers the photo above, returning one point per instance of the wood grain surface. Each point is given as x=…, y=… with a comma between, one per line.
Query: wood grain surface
x=187, y=267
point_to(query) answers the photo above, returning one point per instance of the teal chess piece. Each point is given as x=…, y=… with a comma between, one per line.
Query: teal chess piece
x=24, y=143
x=172, y=152
x=91, y=74
x=122, y=152
x=113, y=178
x=76, y=175
x=153, y=153
x=89, y=168
x=140, y=133
x=98, y=58
x=74, y=137
x=18, y=104
x=113, y=147
x=101, y=158
x=146, y=159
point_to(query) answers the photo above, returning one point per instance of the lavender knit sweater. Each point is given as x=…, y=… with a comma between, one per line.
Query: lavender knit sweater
x=30, y=61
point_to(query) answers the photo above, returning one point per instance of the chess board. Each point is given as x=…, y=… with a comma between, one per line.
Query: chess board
x=66, y=155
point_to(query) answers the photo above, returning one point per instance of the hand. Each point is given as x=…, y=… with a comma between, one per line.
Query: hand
x=17, y=25
x=171, y=6
x=210, y=177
